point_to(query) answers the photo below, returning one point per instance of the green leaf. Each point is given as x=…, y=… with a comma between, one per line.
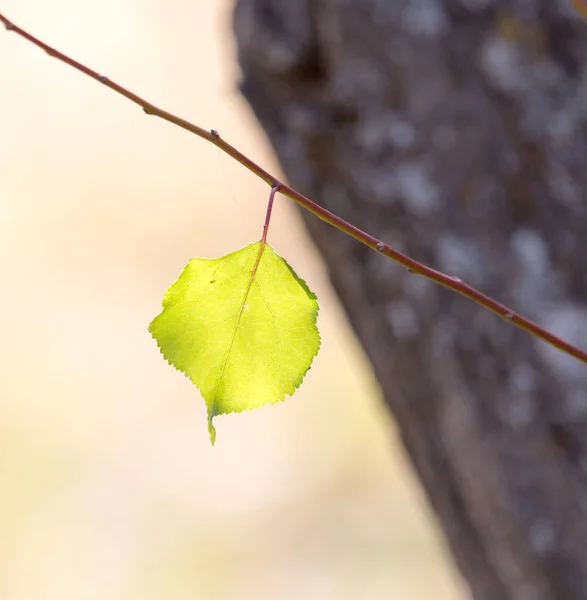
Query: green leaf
x=241, y=327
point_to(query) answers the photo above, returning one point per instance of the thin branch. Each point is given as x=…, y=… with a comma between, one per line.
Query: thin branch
x=453, y=283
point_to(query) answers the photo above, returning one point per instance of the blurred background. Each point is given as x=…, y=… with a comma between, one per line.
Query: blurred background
x=110, y=487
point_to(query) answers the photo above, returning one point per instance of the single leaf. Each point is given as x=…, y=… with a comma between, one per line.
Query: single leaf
x=241, y=327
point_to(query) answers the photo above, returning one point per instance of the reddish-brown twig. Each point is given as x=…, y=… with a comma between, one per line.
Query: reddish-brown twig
x=452, y=283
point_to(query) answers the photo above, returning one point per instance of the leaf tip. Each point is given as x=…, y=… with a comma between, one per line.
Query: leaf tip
x=211, y=429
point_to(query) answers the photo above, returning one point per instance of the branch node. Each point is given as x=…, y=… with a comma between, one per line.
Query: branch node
x=456, y=279
x=380, y=246
x=214, y=134
x=509, y=316
x=9, y=26
x=148, y=110
x=102, y=78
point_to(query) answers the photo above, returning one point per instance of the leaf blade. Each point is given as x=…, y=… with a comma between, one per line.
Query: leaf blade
x=241, y=327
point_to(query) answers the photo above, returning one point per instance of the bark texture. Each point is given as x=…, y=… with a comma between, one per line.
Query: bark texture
x=454, y=130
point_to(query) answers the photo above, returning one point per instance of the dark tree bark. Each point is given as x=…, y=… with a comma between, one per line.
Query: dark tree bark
x=456, y=131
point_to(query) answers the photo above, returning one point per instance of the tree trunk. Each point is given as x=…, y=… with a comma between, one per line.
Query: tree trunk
x=455, y=130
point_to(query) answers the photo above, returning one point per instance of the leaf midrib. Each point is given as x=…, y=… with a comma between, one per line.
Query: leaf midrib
x=238, y=320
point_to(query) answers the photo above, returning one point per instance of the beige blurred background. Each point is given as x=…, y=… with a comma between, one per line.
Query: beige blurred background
x=109, y=486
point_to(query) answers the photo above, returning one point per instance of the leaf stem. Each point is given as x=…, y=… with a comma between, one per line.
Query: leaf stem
x=453, y=283
x=274, y=190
